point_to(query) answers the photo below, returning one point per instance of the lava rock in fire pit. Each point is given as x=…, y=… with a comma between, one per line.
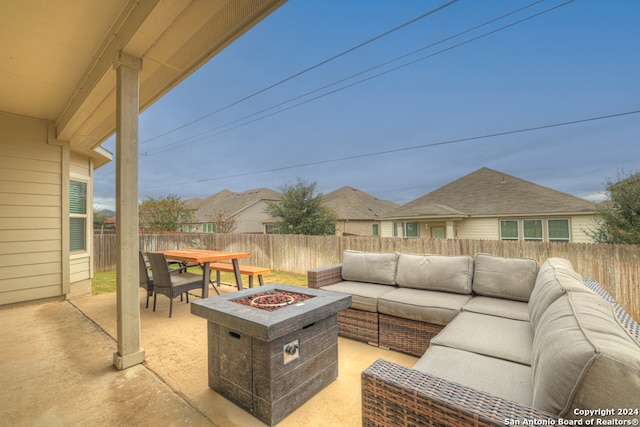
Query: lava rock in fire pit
x=272, y=300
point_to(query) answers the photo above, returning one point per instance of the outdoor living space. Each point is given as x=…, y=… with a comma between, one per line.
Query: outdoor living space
x=57, y=370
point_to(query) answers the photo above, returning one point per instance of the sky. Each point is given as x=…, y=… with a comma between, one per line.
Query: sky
x=399, y=97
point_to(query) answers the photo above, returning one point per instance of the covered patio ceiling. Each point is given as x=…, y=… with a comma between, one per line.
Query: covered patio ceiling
x=57, y=56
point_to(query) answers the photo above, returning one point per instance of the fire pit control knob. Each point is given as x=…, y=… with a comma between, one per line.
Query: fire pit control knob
x=291, y=349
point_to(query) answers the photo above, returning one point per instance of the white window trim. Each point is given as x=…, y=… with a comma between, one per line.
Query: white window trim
x=568, y=228
x=404, y=229
x=509, y=220
x=542, y=226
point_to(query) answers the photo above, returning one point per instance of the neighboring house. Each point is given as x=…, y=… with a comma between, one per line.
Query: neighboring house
x=358, y=213
x=110, y=223
x=492, y=205
x=245, y=208
x=73, y=73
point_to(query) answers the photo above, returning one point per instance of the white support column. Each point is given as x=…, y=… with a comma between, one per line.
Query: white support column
x=451, y=233
x=127, y=107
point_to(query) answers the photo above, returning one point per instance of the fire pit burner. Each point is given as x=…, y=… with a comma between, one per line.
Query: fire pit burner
x=272, y=300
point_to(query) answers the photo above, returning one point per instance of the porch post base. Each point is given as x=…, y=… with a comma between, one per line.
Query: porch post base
x=127, y=361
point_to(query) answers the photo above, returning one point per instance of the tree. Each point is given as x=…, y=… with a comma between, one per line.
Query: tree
x=99, y=218
x=300, y=211
x=618, y=217
x=222, y=222
x=164, y=214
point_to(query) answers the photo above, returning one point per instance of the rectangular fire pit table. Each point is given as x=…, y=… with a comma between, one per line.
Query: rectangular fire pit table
x=271, y=362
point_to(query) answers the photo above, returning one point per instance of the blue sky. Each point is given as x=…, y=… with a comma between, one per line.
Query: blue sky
x=576, y=62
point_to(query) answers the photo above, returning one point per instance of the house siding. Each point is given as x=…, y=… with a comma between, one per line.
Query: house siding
x=386, y=228
x=356, y=227
x=489, y=228
x=478, y=229
x=578, y=226
x=251, y=219
x=30, y=211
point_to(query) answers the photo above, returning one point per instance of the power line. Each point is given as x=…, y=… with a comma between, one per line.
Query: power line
x=206, y=135
x=306, y=70
x=415, y=147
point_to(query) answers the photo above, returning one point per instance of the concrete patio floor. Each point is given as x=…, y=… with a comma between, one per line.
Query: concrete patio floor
x=56, y=370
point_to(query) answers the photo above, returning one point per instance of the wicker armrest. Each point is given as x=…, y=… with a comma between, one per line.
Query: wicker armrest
x=625, y=319
x=324, y=276
x=400, y=396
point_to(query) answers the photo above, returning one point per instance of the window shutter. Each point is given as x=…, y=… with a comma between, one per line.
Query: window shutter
x=78, y=197
x=78, y=215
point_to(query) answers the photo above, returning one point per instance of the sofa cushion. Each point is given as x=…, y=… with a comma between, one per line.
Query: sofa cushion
x=435, y=272
x=555, y=278
x=509, y=278
x=370, y=267
x=583, y=358
x=427, y=306
x=498, y=377
x=364, y=296
x=517, y=310
x=492, y=336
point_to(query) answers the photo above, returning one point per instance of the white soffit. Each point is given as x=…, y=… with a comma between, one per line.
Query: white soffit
x=56, y=62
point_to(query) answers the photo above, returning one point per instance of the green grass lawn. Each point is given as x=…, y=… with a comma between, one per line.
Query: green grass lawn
x=105, y=282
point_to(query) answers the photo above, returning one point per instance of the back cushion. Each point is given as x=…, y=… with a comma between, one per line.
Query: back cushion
x=555, y=278
x=435, y=272
x=371, y=267
x=509, y=278
x=583, y=358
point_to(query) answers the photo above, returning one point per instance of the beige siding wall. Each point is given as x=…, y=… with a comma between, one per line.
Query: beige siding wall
x=478, y=229
x=251, y=219
x=489, y=228
x=386, y=228
x=578, y=226
x=30, y=211
x=358, y=228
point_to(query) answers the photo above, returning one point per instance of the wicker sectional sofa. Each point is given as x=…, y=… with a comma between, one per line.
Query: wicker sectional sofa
x=501, y=341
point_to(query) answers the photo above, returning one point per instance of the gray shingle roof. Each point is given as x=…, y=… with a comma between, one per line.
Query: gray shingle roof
x=230, y=202
x=487, y=192
x=353, y=204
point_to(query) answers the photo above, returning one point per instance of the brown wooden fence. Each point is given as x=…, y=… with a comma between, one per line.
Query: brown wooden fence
x=616, y=267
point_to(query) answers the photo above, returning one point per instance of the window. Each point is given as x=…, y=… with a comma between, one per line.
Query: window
x=509, y=230
x=270, y=229
x=77, y=216
x=532, y=229
x=558, y=230
x=395, y=229
x=375, y=229
x=410, y=229
x=437, y=232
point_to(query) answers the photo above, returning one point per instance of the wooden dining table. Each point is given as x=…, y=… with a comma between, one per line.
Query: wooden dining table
x=204, y=257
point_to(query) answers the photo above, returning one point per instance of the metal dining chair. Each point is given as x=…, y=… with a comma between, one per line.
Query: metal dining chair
x=171, y=285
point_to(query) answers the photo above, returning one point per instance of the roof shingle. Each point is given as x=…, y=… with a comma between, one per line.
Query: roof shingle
x=487, y=192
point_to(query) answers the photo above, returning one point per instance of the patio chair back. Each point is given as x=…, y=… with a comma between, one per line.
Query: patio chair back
x=146, y=279
x=169, y=284
x=159, y=270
